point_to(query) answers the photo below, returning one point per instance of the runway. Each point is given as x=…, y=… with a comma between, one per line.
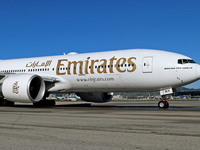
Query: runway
x=116, y=125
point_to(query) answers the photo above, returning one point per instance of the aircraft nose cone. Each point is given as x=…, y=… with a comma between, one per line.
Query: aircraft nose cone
x=198, y=71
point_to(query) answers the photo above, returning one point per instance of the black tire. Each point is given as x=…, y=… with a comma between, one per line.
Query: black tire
x=4, y=102
x=9, y=103
x=166, y=104
x=39, y=104
x=161, y=104
x=52, y=103
x=44, y=103
x=1, y=103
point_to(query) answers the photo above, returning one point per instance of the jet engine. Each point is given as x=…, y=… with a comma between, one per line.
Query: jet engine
x=96, y=97
x=23, y=88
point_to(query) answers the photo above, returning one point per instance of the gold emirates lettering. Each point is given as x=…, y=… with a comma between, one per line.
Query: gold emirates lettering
x=90, y=66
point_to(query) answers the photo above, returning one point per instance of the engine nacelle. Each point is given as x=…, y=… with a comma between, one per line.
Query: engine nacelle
x=23, y=88
x=96, y=97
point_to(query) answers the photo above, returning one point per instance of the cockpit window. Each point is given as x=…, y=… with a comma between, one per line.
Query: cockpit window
x=186, y=61
x=180, y=61
x=191, y=61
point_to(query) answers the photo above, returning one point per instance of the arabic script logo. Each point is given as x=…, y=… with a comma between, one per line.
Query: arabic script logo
x=15, y=88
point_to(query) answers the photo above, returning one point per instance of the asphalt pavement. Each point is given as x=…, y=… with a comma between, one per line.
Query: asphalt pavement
x=139, y=125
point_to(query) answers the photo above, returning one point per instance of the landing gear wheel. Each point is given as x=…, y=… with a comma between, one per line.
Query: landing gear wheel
x=44, y=103
x=39, y=104
x=53, y=103
x=4, y=102
x=50, y=103
x=166, y=104
x=163, y=104
x=9, y=103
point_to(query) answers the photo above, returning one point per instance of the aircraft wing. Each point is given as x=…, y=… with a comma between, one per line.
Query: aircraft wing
x=2, y=75
x=45, y=78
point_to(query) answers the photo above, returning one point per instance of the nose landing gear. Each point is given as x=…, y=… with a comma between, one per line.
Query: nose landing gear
x=163, y=103
x=165, y=93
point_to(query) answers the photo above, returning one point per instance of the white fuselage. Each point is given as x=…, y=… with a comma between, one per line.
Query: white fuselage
x=122, y=70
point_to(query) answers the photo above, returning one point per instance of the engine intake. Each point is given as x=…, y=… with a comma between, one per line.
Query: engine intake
x=23, y=88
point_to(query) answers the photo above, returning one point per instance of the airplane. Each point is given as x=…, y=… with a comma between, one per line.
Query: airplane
x=95, y=76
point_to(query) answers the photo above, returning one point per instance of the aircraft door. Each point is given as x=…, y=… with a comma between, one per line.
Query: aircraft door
x=148, y=64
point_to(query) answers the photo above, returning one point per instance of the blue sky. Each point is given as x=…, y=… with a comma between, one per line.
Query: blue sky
x=30, y=28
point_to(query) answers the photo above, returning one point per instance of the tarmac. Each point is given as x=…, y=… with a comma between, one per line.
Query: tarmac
x=138, y=125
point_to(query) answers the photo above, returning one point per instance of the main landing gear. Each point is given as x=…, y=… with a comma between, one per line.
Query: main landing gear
x=163, y=103
x=44, y=102
x=4, y=102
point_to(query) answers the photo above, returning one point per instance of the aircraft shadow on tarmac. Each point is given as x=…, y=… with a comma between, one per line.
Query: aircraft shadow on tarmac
x=132, y=107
